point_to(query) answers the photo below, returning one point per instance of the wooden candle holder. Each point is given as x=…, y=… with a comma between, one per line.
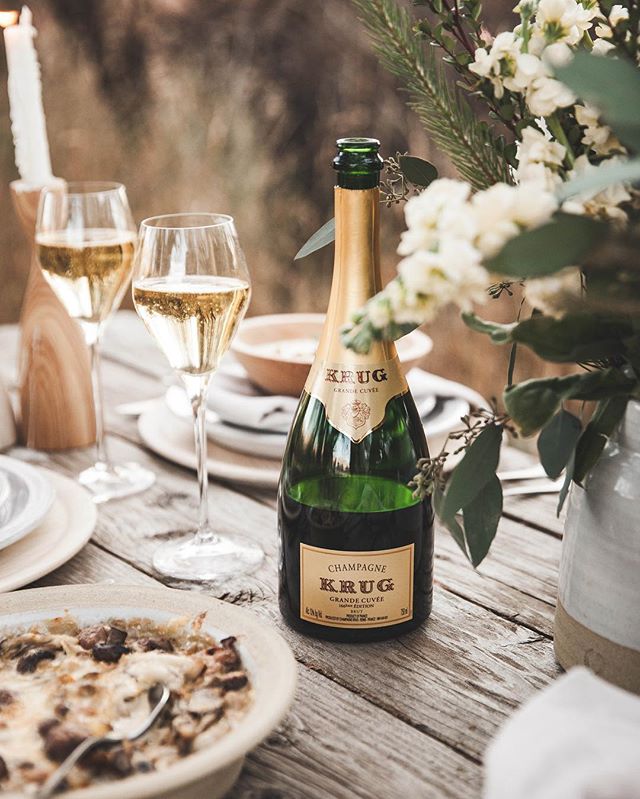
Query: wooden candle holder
x=56, y=398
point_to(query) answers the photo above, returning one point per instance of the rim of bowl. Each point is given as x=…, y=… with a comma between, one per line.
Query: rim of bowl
x=422, y=344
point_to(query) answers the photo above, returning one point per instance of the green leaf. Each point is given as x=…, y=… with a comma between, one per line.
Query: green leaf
x=557, y=442
x=596, y=434
x=481, y=517
x=568, y=477
x=452, y=525
x=564, y=241
x=323, y=236
x=417, y=170
x=574, y=338
x=473, y=472
x=499, y=334
x=531, y=404
x=600, y=178
x=613, y=86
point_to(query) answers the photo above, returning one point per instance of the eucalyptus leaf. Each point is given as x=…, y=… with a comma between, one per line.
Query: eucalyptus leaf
x=557, y=442
x=600, y=178
x=574, y=338
x=568, y=477
x=610, y=84
x=474, y=471
x=603, y=423
x=532, y=403
x=499, y=333
x=452, y=524
x=481, y=517
x=564, y=241
x=323, y=236
x=417, y=170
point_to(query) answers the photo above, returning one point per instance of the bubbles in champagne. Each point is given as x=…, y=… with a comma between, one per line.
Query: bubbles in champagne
x=89, y=271
x=192, y=318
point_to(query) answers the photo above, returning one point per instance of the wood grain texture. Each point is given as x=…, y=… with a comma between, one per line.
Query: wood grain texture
x=56, y=399
x=408, y=716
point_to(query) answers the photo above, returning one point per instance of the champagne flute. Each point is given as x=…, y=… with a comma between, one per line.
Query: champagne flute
x=85, y=242
x=191, y=288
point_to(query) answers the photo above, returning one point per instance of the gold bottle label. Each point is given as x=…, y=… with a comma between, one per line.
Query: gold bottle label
x=356, y=589
x=355, y=395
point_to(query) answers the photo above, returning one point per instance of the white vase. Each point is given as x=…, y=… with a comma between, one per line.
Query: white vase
x=598, y=614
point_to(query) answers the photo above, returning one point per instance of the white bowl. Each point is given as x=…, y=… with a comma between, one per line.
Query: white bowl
x=281, y=370
x=267, y=658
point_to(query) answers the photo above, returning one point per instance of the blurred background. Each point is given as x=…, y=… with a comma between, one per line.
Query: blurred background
x=231, y=107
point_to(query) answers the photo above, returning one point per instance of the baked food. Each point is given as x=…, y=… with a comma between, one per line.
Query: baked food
x=60, y=682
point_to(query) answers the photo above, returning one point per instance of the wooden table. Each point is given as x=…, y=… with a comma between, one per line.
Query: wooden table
x=409, y=717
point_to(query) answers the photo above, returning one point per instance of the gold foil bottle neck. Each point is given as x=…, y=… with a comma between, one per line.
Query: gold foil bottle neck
x=356, y=274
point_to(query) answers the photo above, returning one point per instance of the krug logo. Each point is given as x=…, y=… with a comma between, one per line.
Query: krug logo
x=362, y=376
x=349, y=586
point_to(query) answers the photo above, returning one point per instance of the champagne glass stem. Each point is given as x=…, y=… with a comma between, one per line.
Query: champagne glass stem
x=101, y=446
x=197, y=390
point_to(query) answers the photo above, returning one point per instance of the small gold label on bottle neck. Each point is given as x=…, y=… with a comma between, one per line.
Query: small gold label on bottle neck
x=356, y=589
x=355, y=396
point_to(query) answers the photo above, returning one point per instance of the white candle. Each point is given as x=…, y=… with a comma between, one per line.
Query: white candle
x=25, y=100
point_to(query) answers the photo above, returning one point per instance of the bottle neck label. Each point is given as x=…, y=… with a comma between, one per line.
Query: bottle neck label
x=355, y=394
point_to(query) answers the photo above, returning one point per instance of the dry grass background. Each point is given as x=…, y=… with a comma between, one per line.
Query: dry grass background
x=232, y=107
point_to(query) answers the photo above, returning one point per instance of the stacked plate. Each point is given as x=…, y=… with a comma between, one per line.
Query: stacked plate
x=44, y=520
x=248, y=428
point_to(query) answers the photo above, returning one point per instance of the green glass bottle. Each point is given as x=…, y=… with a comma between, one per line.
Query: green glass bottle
x=356, y=547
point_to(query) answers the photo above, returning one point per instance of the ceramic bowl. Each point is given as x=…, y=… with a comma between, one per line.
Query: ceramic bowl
x=211, y=772
x=277, y=350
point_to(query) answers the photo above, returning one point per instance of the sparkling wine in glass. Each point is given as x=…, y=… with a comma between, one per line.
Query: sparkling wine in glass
x=191, y=288
x=85, y=243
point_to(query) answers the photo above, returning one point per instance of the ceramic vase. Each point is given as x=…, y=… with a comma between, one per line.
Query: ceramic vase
x=598, y=613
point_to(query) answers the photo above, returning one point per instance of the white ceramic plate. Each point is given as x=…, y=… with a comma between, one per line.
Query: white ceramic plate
x=62, y=533
x=263, y=444
x=30, y=496
x=271, y=666
x=174, y=441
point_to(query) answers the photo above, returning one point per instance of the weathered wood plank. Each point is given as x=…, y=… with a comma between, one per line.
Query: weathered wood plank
x=335, y=744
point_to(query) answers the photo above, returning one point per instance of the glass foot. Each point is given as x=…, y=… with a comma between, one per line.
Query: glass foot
x=108, y=481
x=217, y=559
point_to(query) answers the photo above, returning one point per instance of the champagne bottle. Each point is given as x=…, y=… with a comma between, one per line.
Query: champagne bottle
x=356, y=546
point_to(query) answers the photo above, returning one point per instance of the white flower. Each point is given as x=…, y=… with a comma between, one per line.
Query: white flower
x=452, y=275
x=598, y=137
x=601, y=204
x=526, y=68
x=440, y=206
x=539, y=159
x=493, y=209
x=554, y=295
x=545, y=95
x=617, y=14
x=502, y=211
x=498, y=62
x=379, y=311
x=563, y=20
x=602, y=47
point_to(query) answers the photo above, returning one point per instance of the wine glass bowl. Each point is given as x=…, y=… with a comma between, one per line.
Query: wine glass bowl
x=191, y=288
x=85, y=242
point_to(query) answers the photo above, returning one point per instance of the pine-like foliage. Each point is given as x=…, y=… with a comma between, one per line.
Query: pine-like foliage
x=443, y=111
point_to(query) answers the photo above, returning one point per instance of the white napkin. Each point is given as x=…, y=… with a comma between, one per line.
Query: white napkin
x=233, y=398
x=239, y=402
x=577, y=739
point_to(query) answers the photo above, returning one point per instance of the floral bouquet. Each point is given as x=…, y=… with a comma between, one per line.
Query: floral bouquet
x=547, y=201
